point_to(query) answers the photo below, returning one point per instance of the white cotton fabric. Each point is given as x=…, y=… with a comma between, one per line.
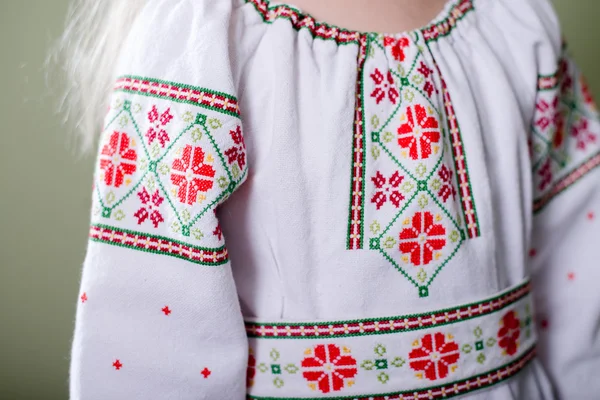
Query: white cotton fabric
x=286, y=226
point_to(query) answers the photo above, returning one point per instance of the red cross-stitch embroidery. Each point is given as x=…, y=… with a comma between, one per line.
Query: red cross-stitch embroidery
x=157, y=129
x=419, y=132
x=434, y=354
x=191, y=174
x=583, y=135
x=237, y=153
x=546, y=174
x=424, y=70
x=447, y=189
x=150, y=207
x=329, y=368
x=397, y=46
x=166, y=310
x=384, y=86
x=550, y=116
x=387, y=189
x=117, y=159
x=83, y=297
x=251, y=370
x=117, y=364
x=509, y=332
x=206, y=373
x=422, y=238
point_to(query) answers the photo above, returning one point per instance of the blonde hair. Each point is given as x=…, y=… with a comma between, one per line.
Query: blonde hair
x=82, y=61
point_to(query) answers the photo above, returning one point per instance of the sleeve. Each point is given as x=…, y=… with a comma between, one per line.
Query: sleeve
x=158, y=315
x=565, y=148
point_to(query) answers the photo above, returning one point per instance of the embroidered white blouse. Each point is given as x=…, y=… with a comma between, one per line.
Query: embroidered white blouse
x=284, y=209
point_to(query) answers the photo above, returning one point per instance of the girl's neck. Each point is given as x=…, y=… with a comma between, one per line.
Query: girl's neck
x=373, y=15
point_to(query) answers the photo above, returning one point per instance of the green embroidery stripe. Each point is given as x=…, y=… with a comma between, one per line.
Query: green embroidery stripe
x=444, y=391
x=158, y=245
x=444, y=27
x=357, y=183
x=321, y=30
x=386, y=325
x=202, y=97
x=566, y=182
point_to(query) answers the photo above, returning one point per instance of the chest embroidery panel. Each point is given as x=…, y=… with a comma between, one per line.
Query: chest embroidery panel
x=411, y=196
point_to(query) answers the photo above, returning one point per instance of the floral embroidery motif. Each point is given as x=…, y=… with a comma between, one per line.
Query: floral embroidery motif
x=422, y=238
x=237, y=153
x=444, y=185
x=382, y=363
x=509, y=332
x=418, y=133
x=387, y=189
x=275, y=368
x=384, y=86
x=551, y=117
x=117, y=159
x=150, y=207
x=330, y=367
x=397, y=46
x=582, y=134
x=546, y=175
x=479, y=346
x=192, y=174
x=157, y=129
x=251, y=369
x=435, y=355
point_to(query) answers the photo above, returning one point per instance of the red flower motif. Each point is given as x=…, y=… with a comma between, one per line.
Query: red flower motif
x=422, y=238
x=117, y=159
x=218, y=232
x=585, y=91
x=546, y=174
x=398, y=46
x=150, y=208
x=424, y=70
x=251, y=370
x=509, y=332
x=384, y=86
x=388, y=187
x=564, y=76
x=238, y=152
x=157, y=131
x=191, y=174
x=419, y=132
x=434, y=355
x=550, y=116
x=328, y=367
x=428, y=88
x=447, y=189
x=582, y=134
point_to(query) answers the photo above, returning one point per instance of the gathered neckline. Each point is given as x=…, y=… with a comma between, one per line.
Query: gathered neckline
x=440, y=25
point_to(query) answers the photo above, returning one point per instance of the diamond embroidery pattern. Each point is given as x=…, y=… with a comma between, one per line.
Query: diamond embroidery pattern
x=162, y=171
x=413, y=214
x=565, y=139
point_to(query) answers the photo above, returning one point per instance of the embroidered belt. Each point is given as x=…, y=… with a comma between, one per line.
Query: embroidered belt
x=438, y=354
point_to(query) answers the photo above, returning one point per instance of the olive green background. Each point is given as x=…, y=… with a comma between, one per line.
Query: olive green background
x=45, y=190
